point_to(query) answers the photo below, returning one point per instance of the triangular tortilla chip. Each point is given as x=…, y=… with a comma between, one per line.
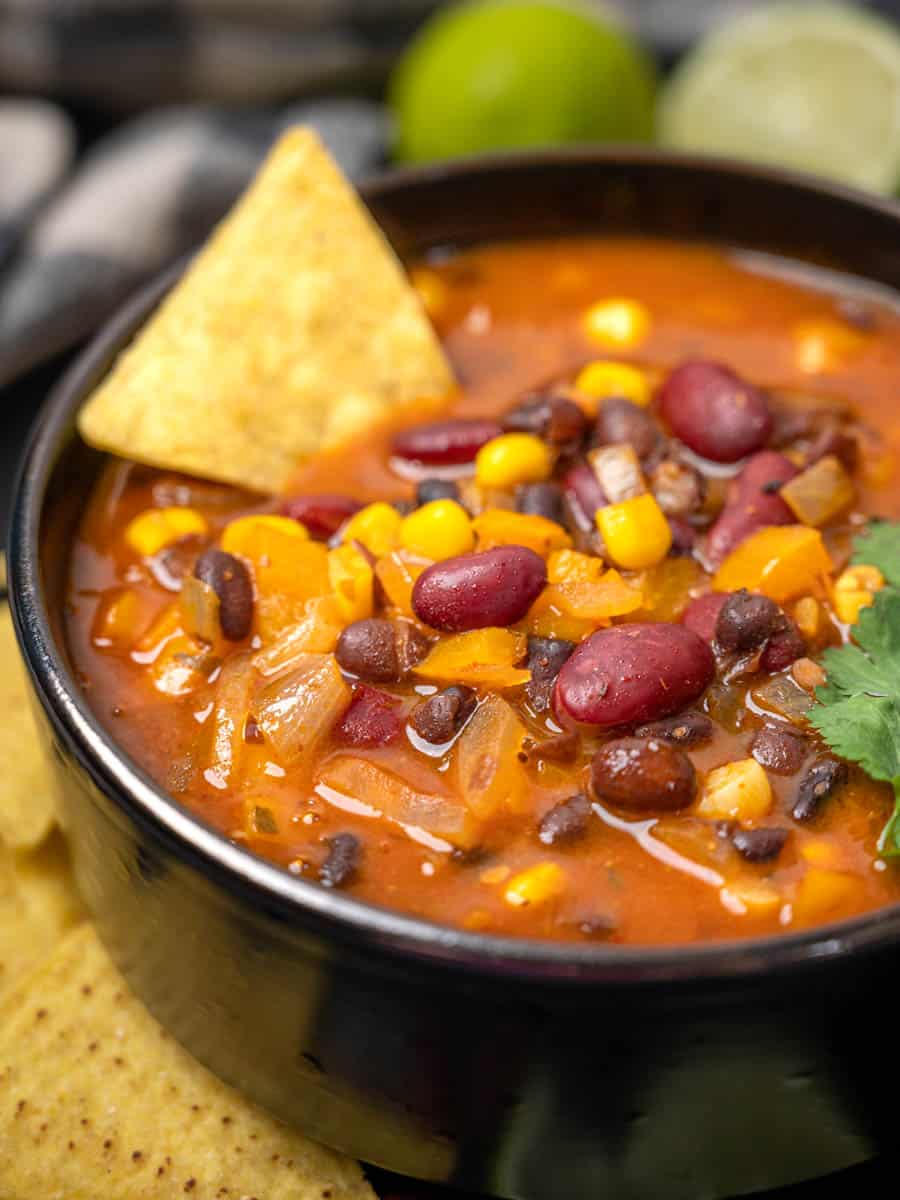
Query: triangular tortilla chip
x=27, y=805
x=97, y=1101
x=293, y=329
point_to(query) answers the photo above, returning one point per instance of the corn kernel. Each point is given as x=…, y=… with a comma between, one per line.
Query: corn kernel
x=617, y=322
x=511, y=459
x=377, y=527
x=536, y=885
x=635, y=532
x=737, y=791
x=855, y=590
x=604, y=379
x=153, y=530
x=352, y=582
x=261, y=536
x=438, y=530
x=807, y=616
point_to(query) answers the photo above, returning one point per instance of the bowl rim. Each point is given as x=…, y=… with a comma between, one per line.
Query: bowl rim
x=268, y=887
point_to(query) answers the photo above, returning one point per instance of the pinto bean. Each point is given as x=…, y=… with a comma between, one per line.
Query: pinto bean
x=717, y=414
x=632, y=673
x=230, y=580
x=445, y=443
x=473, y=591
x=548, y=415
x=643, y=775
x=439, y=718
x=819, y=784
x=321, y=515
x=566, y=821
x=380, y=651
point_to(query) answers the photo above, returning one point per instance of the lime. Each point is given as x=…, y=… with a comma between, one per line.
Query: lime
x=502, y=74
x=811, y=86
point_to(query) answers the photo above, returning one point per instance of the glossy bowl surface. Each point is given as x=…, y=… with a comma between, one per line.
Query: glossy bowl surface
x=517, y=1068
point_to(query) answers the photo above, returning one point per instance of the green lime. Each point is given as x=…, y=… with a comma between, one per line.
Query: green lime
x=811, y=86
x=502, y=74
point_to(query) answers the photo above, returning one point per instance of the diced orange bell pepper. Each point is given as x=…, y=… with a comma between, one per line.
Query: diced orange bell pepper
x=781, y=561
x=261, y=536
x=481, y=656
x=352, y=581
x=609, y=597
x=284, y=586
x=571, y=566
x=546, y=618
x=667, y=588
x=502, y=527
x=397, y=573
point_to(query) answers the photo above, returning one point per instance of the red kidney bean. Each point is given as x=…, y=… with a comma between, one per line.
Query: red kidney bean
x=584, y=494
x=701, y=614
x=542, y=500
x=745, y=621
x=759, y=845
x=754, y=502
x=380, y=651
x=633, y=673
x=436, y=489
x=566, y=821
x=779, y=750
x=821, y=781
x=549, y=415
x=372, y=719
x=230, y=580
x=473, y=591
x=321, y=515
x=445, y=443
x=718, y=415
x=620, y=420
x=545, y=659
x=643, y=775
x=342, y=862
x=687, y=729
x=784, y=647
x=439, y=718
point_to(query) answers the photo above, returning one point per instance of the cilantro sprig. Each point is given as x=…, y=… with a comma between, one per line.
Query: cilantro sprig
x=858, y=713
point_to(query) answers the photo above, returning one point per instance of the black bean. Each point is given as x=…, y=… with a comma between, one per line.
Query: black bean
x=643, y=775
x=342, y=861
x=380, y=651
x=230, y=580
x=436, y=489
x=821, y=781
x=542, y=500
x=566, y=821
x=779, y=750
x=620, y=420
x=687, y=729
x=549, y=415
x=546, y=657
x=759, y=845
x=745, y=621
x=440, y=717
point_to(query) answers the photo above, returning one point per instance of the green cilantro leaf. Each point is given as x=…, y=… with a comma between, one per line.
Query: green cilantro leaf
x=879, y=546
x=862, y=730
x=889, y=842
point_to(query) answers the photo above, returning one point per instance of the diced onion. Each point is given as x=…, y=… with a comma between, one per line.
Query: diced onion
x=297, y=710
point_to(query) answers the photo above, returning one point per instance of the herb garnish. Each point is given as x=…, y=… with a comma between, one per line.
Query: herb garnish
x=858, y=713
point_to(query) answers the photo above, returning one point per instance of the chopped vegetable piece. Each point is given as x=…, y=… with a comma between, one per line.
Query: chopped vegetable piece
x=117, y=620
x=617, y=323
x=618, y=472
x=536, y=885
x=486, y=769
x=779, y=561
x=546, y=618
x=635, y=532
x=819, y=493
x=667, y=588
x=752, y=898
x=485, y=657
x=502, y=527
x=231, y=708
x=317, y=632
x=604, y=379
x=377, y=527
x=437, y=530
x=397, y=573
x=854, y=590
x=808, y=617
x=285, y=585
x=386, y=794
x=297, y=710
x=822, y=892
x=199, y=606
x=153, y=530
x=261, y=536
x=738, y=790
x=352, y=582
x=511, y=459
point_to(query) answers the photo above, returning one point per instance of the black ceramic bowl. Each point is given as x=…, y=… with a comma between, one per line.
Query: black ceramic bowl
x=517, y=1068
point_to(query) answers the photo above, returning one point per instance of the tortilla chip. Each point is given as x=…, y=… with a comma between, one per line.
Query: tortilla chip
x=38, y=906
x=295, y=327
x=96, y=1100
x=26, y=792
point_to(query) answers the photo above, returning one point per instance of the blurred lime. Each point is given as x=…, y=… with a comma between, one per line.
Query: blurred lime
x=811, y=86
x=502, y=74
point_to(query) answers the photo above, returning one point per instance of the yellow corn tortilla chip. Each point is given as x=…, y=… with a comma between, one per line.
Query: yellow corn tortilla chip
x=97, y=1101
x=294, y=328
x=38, y=906
x=26, y=791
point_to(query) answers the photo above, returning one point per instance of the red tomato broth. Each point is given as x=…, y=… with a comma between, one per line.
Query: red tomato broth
x=511, y=320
